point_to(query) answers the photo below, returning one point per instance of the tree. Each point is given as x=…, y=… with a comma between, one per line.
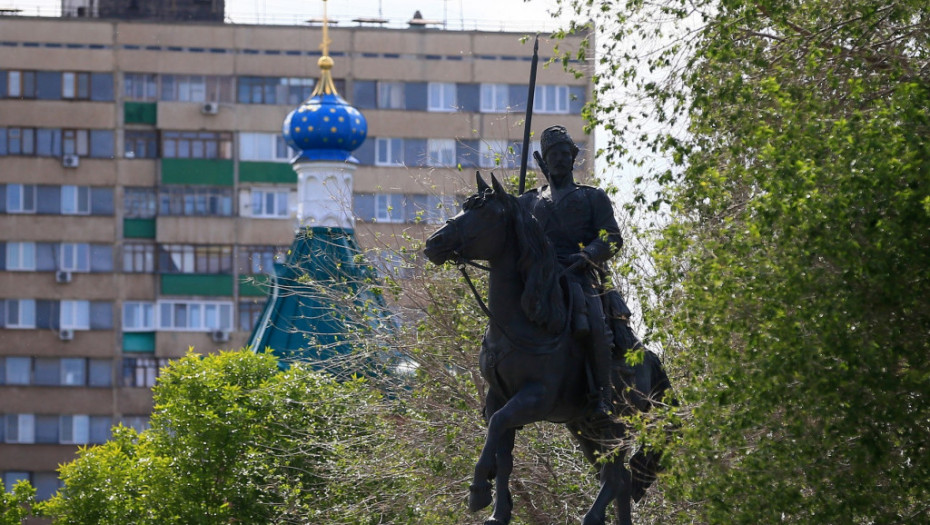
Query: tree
x=232, y=438
x=17, y=505
x=788, y=276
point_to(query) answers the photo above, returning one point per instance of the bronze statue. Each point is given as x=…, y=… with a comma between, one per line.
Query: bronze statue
x=535, y=368
x=579, y=223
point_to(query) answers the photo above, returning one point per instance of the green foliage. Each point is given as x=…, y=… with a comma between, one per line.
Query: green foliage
x=16, y=505
x=788, y=276
x=233, y=438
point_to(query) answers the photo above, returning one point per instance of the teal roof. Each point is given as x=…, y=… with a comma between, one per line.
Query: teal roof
x=320, y=299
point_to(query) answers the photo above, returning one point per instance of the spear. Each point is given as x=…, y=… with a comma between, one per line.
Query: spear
x=529, y=116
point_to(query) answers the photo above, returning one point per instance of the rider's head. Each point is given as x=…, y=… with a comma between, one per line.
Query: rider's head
x=559, y=153
x=556, y=135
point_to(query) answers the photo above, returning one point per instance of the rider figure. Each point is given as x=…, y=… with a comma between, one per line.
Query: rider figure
x=579, y=222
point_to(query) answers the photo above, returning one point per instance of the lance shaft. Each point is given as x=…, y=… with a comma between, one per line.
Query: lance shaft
x=524, y=155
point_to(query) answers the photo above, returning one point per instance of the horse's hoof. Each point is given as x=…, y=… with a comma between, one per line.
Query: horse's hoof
x=495, y=521
x=590, y=519
x=479, y=496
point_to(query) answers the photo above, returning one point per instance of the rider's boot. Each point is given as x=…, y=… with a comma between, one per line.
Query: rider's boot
x=601, y=359
x=581, y=325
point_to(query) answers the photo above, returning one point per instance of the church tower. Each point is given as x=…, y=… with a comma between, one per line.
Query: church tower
x=307, y=316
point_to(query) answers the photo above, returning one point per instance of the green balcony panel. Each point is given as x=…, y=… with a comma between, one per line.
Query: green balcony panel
x=139, y=342
x=197, y=284
x=140, y=113
x=267, y=172
x=210, y=172
x=253, y=285
x=138, y=228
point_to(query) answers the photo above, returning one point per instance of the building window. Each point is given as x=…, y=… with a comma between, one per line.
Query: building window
x=389, y=152
x=74, y=142
x=20, y=428
x=195, y=201
x=269, y=203
x=140, y=86
x=75, y=85
x=389, y=207
x=142, y=373
x=140, y=144
x=441, y=96
x=497, y=153
x=74, y=257
x=494, y=98
x=21, y=84
x=196, y=145
x=21, y=198
x=438, y=209
x=138, y=316
x=441, y=153
x=264, y=147
x=256, y=260
x=20, y=256
x=139, y=258
x=391, y=95
x=75, y=200
x=20, y=141
x=194, y=316
x=139, y=203
x=249, y=314
x=274, y=90
x=18, y=371
x=187, y=258
x=75, y=315
x=137, y=423
x=551, y=99
x=73, y=371
x=74, y=429
x=20, y=313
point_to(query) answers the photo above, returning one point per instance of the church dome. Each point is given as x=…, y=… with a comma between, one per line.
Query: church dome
x=325, y=126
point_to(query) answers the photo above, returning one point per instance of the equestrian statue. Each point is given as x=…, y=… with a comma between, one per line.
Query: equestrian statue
x=555, y=345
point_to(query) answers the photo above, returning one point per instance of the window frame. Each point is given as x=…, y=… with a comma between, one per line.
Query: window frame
x=441, y=97
x=139, y=255
x=25, y=423
x=20, y=256
x=78, y=202
x=74, y=314
x=551, y=99
x=25, y=314
x=168, y=311
x=436, y=149
x=79, y=255
x=136, y=313
x=259, y=203
x=390, y=208
x=385, y=151
x=23, y=203
x=495, y=98
x=390, y=95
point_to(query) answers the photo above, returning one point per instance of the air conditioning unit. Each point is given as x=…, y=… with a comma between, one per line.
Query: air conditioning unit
x=62, y=276
x=70, y=161
x=210, y=108
x=219, y=336
x=66, y=334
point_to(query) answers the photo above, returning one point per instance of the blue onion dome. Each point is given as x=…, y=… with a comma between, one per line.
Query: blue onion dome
x=325, y=126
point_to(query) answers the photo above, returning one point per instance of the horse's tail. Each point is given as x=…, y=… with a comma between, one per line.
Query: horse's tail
x=652, y=381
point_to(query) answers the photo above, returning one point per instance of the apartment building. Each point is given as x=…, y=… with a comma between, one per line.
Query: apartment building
x=145, y=188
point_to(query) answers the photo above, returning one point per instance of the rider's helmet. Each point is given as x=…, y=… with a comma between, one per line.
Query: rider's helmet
x=554, y=135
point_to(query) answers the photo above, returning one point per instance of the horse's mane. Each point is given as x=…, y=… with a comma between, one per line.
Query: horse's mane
x=542, y=299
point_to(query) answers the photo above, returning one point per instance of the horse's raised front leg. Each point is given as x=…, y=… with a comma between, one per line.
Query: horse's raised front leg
x=503, y=501
x=525, y=407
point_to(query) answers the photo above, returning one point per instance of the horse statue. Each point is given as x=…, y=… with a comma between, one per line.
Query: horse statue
x=533, y=366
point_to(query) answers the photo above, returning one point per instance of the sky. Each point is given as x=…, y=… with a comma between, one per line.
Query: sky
x=457, y=14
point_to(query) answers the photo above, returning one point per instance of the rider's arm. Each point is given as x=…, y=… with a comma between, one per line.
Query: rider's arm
x=608, y=240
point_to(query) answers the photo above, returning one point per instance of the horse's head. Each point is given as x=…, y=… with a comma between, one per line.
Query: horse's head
x=479, y=231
